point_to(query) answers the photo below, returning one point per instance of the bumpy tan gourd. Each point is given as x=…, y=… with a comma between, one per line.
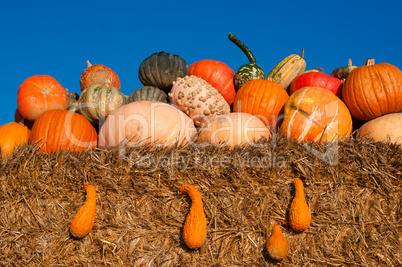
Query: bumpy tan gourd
x=198, y=99
x=299, y=214
x=195, y=227
x=84, y=220
x=277, y=245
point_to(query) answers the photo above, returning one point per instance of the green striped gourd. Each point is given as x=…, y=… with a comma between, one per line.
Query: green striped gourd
x=148, y=93
x=342, y=72
x=286, y=70
x=249, y=71
x=98, y=101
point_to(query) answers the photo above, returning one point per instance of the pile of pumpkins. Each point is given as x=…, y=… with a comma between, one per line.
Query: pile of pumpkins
x=207, y=102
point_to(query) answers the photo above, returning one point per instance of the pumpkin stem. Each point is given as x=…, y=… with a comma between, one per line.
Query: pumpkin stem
x=269, y=79
x=243, y=48
x=369, y=62
x=302, y=53
x=321, y=69
x=349, y=63
x=89, y=64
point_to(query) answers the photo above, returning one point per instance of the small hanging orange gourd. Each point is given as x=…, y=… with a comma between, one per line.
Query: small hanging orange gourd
x=299, y=214
x=84, y=220
x=277, y=245
x=195, y=227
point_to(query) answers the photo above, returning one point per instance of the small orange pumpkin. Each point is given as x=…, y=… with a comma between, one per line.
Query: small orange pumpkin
x=277, y=245
x=99, y=74
x=315, y=114
x=11, y=135
x=56, y=130
x=38, y=94
x=373, y=90
x=263, y=99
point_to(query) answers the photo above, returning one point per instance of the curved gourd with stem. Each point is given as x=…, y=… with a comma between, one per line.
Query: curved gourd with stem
x=249, y=71
x=85, y=218
x=299, y=214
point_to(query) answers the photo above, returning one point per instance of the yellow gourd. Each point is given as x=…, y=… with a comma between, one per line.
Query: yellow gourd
x=299, y=214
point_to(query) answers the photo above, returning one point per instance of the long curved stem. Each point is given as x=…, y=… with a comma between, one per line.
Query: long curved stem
x=243, y=48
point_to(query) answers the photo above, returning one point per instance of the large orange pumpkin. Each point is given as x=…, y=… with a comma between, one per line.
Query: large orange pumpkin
x=11, y=135
x=233, y=129
x=315, y=114
x=262, y=98
x=373, y=90
x=217, y=74
x=38, y=94
x=147, y=123
x=56, y=130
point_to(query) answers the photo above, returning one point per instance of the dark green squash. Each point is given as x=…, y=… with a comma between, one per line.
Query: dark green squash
x=343, y=72
x=161, y=70
x=249, y=71
x=98, y=101
x=148, y=93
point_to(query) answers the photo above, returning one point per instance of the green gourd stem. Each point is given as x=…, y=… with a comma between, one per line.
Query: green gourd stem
x=321, y=69
x=302, y=53
x=243, y=48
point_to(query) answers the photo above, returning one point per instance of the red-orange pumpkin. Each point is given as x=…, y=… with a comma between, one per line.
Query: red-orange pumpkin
x=318, y=79
x=314, y=114
x=262, y=98
x=99, y=74
x=11, y=135
x=217, y=74
x=373, y=90
x=56, y=130
x=38, y=94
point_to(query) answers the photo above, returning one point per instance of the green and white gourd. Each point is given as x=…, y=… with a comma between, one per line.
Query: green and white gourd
x=148, y=93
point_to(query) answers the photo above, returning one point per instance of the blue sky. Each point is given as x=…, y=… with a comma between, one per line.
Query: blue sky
x=58, y=37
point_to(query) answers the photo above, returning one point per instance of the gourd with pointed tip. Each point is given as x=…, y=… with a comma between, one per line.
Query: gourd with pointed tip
x=249, y=71
x=277, y=245
x=85, y=218
x=195, y=227
x=299, y=213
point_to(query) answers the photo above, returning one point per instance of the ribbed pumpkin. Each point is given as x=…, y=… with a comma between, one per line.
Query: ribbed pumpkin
x=262, y=98
x=38, y=94
x=318, y=79
x=12, y=135
x=217, y=74
x=233, y=129
x=145, y=122
x=288, y=69
x=161, y=69
x=373, y=90
x=56, y=130
x=314, y=114
x=100, y=74
x=98, y=101
x=148, y=93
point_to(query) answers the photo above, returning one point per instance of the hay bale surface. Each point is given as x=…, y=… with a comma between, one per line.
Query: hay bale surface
x=354, y=196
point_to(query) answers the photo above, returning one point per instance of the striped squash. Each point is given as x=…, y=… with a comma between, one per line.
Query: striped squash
x=98, y=101
x=286, y=70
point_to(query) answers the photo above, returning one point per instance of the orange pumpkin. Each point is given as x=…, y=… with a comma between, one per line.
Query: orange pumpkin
x=233, y=129
x=99, y=74
x=315, y=114
x=263, y=99
x=217, y=74
x=373, y=90
x=56, y=130
x=11, y=135
x=38, y=94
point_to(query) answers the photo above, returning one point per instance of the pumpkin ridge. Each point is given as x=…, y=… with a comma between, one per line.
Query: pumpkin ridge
x=259, y=95
x=360, y=91
x=373, y=74
x=388, y=80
